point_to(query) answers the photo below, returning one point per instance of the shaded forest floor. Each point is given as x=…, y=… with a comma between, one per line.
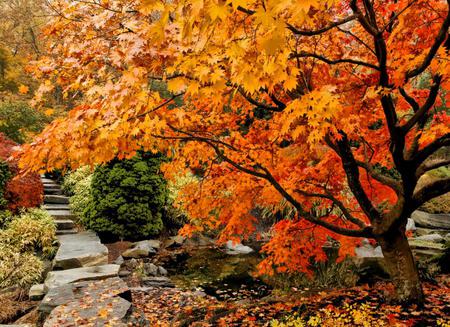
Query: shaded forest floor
x=355, y=306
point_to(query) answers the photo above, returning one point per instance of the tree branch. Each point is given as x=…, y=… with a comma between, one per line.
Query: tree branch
x=333, y=62
x=430, y=191
x=321, y=30
x=430, y=165
x=383, y=179
x=438, y=41
x=431, y=148
x=434, y=91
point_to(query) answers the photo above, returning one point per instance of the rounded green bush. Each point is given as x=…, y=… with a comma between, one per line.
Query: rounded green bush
x=128, y=198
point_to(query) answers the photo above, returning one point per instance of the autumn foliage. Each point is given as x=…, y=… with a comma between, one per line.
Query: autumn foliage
x=337, y=107
x=21, y=191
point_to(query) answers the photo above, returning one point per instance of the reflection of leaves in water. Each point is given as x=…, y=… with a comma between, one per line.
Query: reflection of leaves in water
x=220, y=274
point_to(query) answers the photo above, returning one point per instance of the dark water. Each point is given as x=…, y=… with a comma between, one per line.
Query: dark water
x=226, y=277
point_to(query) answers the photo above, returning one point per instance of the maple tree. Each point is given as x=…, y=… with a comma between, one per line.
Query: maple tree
x=337, y=107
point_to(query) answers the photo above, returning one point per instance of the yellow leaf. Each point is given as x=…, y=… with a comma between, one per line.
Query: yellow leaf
x=23, y=89
x=103, y=313
x=176, y=85
x=49, y=112
x=218, y=12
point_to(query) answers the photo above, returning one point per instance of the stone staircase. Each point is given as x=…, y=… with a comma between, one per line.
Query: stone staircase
x=81, y=260
x=57, y=206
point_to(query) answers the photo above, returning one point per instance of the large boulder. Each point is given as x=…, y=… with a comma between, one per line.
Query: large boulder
x=237, y=248
x=58, y=278
x=435, y=238
x=429, y=220
x=142, y=249
x=80, y=250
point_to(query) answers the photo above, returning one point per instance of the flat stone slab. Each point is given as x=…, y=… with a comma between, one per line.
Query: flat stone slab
x=64, y=224
x=47, y=180
x=428, y=220
x=51, y=186
x=36, y=292
x=66, y=231
x=61, y=214
x=80, y=250
x=56, y=206
x=57, y=199
x=52, y=191
x=64, y=294
x=63, y=277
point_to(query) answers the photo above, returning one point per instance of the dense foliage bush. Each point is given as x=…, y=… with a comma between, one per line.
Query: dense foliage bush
x=128, y=198
x=73, y=178
x=19, y=121
x=20, y=191
x=5, y=175
x=82, y=197
x=24, y=241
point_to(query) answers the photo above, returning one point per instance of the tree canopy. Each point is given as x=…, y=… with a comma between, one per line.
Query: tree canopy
x=335, y=106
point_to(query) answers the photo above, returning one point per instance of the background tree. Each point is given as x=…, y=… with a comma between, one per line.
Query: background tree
x=334, y=106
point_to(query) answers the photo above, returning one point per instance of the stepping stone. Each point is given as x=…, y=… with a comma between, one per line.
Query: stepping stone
x=61, y=214
x=56, y=206
x=63, y=277
x=56, y=199
x=53, y=191
x=96, y=290
x=66, y=231
x=47, y=180
x=51, y=186
x=64, y=224
x=80, y=250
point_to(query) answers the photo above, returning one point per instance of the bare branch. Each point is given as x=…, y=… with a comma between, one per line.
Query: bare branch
x=335, y=61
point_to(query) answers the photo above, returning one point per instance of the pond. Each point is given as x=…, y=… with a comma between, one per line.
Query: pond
x=224, y=276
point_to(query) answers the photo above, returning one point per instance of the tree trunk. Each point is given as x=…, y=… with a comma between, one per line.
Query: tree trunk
x=402, y=267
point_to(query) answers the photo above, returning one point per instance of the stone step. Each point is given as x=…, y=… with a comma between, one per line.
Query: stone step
x=61, y=214
x=47, y=180
x=56, y=206
x=63, y=277
x=53, y=192
x=56, y=199
x=66, y=231
x=64, y=224
x=83, y=249
x=52, y=186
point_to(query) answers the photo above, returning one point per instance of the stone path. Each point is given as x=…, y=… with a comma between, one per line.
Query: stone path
x=79, y=267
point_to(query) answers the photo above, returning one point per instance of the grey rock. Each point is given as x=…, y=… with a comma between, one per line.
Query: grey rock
x=368, y=251
x=238, y=248
x=150, y=269
x=425, y=231
x=52, y=191
x=66, y=231
x=124, y=273
x=155, y=244
x=425, y=249
x=70, y=304
x=175, y=241
x=436, y=238
x=37, y=292
x=62, y=277
x=140, y=250
x=56, y=206
x=61, y=214
x=56, y=199
x=80, y=250
x=428, y=220
x=119, y=260
x=64, y=224
x=410, y=225
x=162, y=271
x=447, y=237
x=157, y=282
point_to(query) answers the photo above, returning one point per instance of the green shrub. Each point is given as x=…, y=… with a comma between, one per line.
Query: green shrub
x=24, y=241
x=82, y=197
x=5, y=175
x=73, y=178
x=19, y=121
x=128, y=198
